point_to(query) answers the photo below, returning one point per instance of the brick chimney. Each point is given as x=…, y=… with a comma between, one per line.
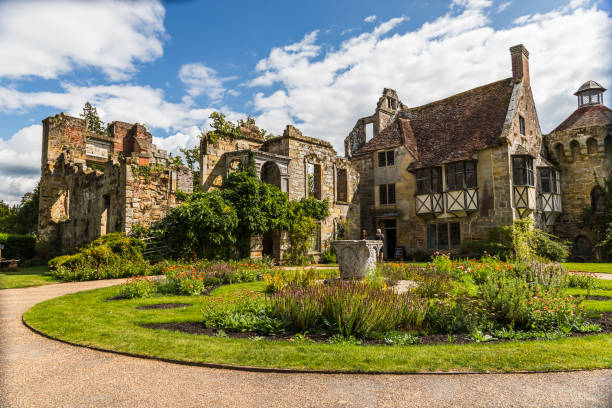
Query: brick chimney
x=520, y=63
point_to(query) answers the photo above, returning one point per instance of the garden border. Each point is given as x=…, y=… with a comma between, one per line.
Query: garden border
x=290, y=370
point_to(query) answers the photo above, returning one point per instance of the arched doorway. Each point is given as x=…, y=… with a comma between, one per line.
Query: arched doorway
x=597, y=200
x=582, y=249
x=270, y=174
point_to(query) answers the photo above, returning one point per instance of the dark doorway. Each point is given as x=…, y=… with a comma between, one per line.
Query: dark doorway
x=267, y=242
x=390, y=231
x=270, y=174
x=582, y=249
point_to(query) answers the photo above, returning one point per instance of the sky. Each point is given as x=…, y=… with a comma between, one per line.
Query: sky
x=319, y=65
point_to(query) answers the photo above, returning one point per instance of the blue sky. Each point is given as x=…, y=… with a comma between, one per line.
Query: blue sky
x=319, y=65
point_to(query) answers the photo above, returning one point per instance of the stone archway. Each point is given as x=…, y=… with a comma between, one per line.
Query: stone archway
x=582, y=249
x=270, y=174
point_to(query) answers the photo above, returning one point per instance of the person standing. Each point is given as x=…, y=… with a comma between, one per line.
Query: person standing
x=380, y=237
x=364, y=234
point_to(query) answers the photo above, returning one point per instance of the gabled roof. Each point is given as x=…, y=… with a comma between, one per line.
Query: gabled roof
x=587, y=115
x=450, y=129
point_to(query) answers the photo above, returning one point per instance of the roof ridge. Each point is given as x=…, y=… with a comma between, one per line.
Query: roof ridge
x=509, y=79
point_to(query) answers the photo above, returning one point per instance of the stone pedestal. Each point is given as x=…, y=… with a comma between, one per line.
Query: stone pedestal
x=356, y=258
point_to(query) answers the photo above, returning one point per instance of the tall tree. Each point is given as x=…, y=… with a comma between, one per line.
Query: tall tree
x=94, y=123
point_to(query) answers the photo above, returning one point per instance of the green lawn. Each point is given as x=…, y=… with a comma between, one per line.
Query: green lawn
x=86, y=318
x=589, y=267
x=31, y=276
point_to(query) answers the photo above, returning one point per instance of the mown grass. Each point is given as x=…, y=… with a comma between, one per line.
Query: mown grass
x=25, y=277
x=589, y=267
x=86, y=318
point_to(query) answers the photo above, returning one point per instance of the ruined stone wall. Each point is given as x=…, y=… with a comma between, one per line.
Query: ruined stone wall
x=212, y=159
x=579, y=168
x=87, y=183
x=304, y=150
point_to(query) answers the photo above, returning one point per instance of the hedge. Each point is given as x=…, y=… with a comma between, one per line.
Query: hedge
x=17, y=246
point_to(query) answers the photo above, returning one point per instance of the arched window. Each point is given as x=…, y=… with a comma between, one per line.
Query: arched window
x=592, y=146
x=270, y=174
x=342, y=185
x=597, y=200
x=575, y=149
x=559, y=151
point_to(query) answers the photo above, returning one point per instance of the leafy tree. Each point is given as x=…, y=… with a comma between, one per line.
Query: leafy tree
x=221, y=127
x=192, y=157
x=94, y=124
x=203, y=225
x=22, y=218
x=260, y=206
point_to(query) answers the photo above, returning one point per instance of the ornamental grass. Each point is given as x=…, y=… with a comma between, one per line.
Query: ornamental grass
x=350, y=308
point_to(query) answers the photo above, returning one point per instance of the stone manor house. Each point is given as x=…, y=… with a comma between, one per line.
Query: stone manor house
x=430, y=177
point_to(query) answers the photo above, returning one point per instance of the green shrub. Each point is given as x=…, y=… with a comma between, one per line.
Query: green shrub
x=279, y=279
x=583, y=280
x=549, y=313
x=139, y=287
x=328, y=256
x=17, y=246
x=463, y=314
x=433, y=282
x=519, y=240
x=507, y=298
x=392, y=272
x=247, y=312
x=110, y=256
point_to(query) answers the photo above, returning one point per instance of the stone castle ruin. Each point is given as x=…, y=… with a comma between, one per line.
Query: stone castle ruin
x=431, y=177
x=93, y=184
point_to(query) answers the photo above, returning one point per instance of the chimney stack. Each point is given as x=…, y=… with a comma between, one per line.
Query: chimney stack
x=520, y=63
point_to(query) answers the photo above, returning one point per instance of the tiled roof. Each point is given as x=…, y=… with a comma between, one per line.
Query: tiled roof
x=590, y=115
x=391, y=136
x=450, y=129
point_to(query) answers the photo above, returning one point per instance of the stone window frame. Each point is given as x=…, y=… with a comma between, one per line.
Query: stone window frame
x=451, y=231
x=337, y=172
x=314, y=161
x=386, y=158
x=317, y=241
x=522, y=126
x=592, y=145
x=389, y=195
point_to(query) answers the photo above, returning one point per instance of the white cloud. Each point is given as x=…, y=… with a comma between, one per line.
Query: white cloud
x=129, y=103
x=49, y=38
x=324, y=93
x=370, y=19
x=20, y=163
x=503, y=6
x=202, y=79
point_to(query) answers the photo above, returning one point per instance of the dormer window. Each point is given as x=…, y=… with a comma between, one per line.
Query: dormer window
x=590, y=93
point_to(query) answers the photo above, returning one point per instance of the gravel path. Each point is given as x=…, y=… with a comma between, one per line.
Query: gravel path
x=38, y=372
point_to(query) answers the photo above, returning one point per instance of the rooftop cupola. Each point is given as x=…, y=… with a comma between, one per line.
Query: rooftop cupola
x=590, y=93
